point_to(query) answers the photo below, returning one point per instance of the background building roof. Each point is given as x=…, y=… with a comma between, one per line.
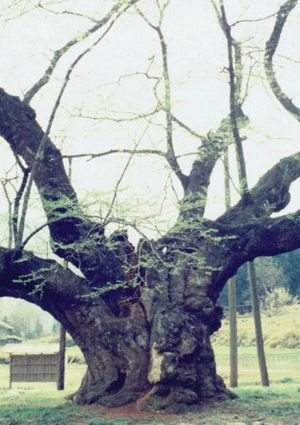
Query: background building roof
x=31, y=348
x=4, y=325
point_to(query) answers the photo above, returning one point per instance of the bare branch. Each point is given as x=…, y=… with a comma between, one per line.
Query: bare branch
x=167, y=105
x=22, y=13
x=122, y=176
x=134, y=117
x=235, y=86
x=187, y=128
x=247, y=85
x=41, y=148
x=116, y=151
x=242, y=21
x=17, y=201
x=67, y=12
x=10, y=213
x=116, y=11
x=271, y=46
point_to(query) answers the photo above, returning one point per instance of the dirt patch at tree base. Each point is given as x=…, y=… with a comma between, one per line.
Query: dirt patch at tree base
x=229, y=413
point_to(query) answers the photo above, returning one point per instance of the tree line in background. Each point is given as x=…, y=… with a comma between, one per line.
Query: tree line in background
x=28, y=321
x=278, y=282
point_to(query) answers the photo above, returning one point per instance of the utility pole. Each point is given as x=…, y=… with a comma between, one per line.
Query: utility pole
x=62, y=333
x=232, y=304
x=258, y=326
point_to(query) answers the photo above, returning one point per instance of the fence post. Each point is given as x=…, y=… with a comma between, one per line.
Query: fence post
x=10, y=370
x=61, y=359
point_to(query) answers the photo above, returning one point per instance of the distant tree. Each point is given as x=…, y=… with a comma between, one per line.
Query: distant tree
x=38, y=328
x=289, y=264
x=55, y=328
x=270, y=274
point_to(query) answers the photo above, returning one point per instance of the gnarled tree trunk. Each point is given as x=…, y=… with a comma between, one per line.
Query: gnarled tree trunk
x=155, y=348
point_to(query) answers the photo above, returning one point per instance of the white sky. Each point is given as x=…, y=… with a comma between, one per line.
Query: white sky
x=197, y=58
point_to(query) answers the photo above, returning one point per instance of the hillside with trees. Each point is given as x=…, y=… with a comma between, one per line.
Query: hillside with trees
x=279, y=274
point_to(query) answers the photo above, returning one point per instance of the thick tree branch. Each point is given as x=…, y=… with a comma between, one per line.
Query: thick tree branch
x=38, y=280
x=270, y=194
x=240, y=243
x=271, y=46
x=213, y=145
x=73, y=236
x=47, y=284
x=22, y=132
x=41, y=148
x=274, y=236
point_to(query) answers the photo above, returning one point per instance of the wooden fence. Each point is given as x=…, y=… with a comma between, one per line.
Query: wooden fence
x=33, y=368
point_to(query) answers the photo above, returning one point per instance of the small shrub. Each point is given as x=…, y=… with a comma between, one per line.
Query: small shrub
x=70, y=342
x=290, y=339
x=287, y=380
x=4, y=359
x=277, y=298
x=74, y=359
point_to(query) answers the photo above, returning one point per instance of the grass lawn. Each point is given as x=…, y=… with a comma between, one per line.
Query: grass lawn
x=41, y=404
x=283, y=364
x=278, y=405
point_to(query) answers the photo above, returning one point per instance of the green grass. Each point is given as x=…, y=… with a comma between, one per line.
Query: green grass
x=41, y=404
x=35, y=406
x=114, y=422
x=41, y=416
x=48, y=407
x=281, y=329
x=280, y=400
x=277, y=405
x=283, y=364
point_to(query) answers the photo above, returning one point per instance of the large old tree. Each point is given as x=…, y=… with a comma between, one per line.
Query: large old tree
x=143, y=316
